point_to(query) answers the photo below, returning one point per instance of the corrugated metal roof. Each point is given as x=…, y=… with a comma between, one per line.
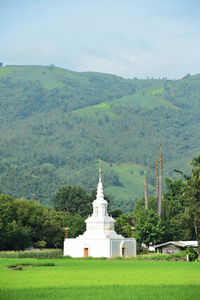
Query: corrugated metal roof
x=178, y=243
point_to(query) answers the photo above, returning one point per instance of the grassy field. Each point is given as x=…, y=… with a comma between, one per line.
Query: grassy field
x=132, y=183
x=101, y=110
x=48, y=78
x=148, y=100
x=99, y=279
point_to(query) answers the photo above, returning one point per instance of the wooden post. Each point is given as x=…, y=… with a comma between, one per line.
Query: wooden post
x=133, y=229
x=66, y=232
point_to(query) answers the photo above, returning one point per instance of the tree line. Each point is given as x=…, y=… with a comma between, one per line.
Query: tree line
x=25, y=223
x=180, y=211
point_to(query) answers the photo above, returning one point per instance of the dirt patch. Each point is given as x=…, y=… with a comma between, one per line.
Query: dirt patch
x=20, y=267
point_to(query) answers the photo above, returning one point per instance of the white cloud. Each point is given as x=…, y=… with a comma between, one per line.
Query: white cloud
x=126, y=38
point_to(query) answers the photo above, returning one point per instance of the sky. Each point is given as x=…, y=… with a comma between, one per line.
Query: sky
x=128, y=38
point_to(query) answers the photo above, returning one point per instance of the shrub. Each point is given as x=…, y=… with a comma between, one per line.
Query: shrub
x=66, y=256
x=192, y=253
x=46, y=253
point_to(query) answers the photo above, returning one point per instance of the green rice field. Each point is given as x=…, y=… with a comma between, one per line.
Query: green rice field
x=98, y=279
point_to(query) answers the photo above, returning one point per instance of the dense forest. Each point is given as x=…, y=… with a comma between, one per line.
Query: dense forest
x=55, y=124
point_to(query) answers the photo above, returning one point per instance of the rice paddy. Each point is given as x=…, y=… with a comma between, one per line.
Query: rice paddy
x=98, y=279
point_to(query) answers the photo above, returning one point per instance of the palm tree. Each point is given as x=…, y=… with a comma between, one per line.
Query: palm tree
x=196, y=170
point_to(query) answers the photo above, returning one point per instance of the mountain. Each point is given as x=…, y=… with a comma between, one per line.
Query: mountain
x=55, y=124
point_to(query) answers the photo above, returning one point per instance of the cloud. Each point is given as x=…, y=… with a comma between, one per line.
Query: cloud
x=49, y=49
x=127, y=38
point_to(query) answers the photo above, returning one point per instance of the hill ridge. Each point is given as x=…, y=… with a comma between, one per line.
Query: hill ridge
x=54, y=126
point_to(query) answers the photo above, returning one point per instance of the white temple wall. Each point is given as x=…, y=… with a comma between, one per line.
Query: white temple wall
x=73, y=247
x=100, y=248
x=129, y=246
x=115, y=248
x=96, y=248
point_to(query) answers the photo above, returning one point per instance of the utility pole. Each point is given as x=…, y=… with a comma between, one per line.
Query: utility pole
x=157, y=184
x=160, y=184
x=146, y=193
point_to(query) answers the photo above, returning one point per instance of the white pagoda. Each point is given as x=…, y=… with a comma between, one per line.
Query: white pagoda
x=100, y=238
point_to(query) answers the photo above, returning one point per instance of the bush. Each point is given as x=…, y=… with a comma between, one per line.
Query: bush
x=46, y=253
x=66, y=256
x=192, y=253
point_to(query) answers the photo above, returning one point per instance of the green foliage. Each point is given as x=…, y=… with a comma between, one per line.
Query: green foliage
x=191, y=193
x=149, y=227
x=74, y=200
x=173, y=212
x=26, y=222
x=17, y=237
x=116, y=213
x=193, y=254
x=55, y=123
x=41, y=254
x=180, y=256
x=76, y=226
x=40, y=244
x=122, y=226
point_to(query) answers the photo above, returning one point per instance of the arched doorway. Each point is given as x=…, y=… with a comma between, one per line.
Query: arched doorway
x=123, y=249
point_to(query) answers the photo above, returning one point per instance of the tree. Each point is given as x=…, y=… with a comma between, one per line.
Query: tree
x=173, y=201
x=149, y=226
x=173, y=211
x=122, y=226
x=7, y=216
x=76, y=226
x=26, y=222
x=196, y=170
x=1, y=64
x=18, y=237
x=73, y=200
x=115, y=213
x=191, y=193
x=52, y=232
x=192, y=196
x=140, y=205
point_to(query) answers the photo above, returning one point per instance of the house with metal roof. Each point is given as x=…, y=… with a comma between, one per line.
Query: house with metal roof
x=173, y=247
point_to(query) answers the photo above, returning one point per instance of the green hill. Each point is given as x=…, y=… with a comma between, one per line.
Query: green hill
x=56, y=123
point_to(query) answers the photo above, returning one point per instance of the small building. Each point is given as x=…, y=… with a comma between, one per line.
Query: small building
x=100, y=238
x=173, y=247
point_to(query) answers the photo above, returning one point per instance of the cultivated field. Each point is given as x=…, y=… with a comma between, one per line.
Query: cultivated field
x=98, y=279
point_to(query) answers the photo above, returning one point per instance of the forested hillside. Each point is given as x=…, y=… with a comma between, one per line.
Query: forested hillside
x=55, y=124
